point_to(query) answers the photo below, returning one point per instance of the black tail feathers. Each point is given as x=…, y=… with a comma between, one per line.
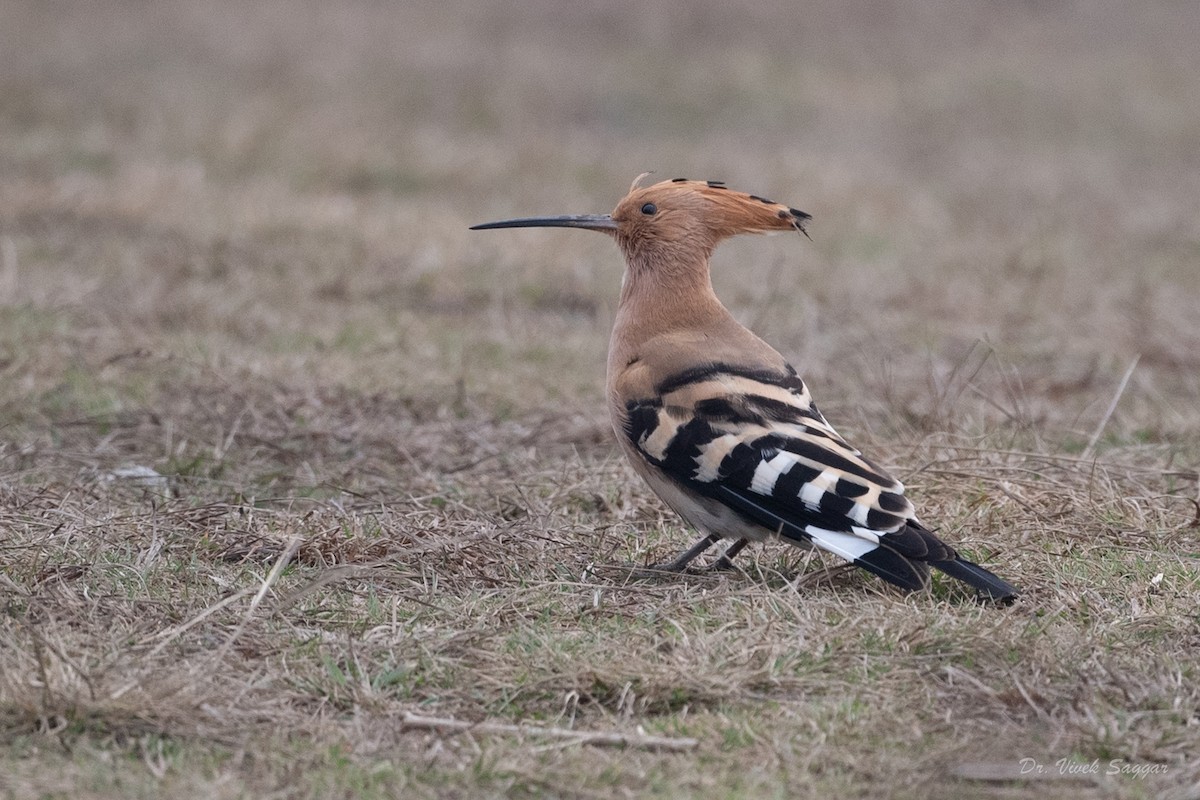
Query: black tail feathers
x=894, y=568
x=989, y=584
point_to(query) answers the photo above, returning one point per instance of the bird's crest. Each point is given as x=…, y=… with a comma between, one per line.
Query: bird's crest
x=724, y=211
x=638, y=180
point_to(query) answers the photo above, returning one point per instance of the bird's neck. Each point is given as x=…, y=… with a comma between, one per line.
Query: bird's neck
x=663, y=298
x=669, y=291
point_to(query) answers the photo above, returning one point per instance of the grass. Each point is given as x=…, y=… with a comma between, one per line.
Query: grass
x=287, y=456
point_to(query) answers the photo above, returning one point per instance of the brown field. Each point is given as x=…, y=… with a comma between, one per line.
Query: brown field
x=377, y=483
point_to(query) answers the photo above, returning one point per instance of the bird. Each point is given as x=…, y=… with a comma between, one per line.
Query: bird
x=717, y=421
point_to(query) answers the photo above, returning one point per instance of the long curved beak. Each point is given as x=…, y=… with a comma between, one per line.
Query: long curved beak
x=591, y=222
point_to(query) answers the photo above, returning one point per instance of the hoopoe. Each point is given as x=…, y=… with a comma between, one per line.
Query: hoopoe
x=717, y=422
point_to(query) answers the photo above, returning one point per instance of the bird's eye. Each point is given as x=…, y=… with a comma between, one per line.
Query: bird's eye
x=649, y=209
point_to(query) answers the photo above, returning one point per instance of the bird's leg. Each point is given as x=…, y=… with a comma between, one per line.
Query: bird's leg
x=680, y=562
x=726, y=560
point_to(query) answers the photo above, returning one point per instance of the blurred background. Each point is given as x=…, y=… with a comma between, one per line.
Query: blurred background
x=1004, y=194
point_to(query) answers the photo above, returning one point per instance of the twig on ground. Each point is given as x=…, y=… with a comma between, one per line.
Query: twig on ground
x=639, y=741
x=171, y=634
x=1112, y=406
x=284, y=559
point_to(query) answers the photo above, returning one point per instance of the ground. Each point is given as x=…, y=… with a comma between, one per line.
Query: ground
x=296, y=472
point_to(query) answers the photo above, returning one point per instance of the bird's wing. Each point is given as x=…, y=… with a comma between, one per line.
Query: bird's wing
x=754, y=440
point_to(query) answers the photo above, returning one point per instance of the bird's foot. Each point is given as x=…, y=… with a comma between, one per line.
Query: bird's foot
x=725, y=562
x=680, y=562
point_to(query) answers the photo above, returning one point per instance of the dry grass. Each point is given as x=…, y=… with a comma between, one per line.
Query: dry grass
x=233, y=252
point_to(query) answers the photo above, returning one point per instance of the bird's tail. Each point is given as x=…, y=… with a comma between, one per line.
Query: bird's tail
x=975, y=576
x=913, y=573
x=907, y=568
x=879, y=559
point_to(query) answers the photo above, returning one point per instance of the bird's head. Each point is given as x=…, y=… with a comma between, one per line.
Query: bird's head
x=676, y=220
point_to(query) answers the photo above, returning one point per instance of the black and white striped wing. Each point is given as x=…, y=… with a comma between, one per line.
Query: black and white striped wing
x=755, y=441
